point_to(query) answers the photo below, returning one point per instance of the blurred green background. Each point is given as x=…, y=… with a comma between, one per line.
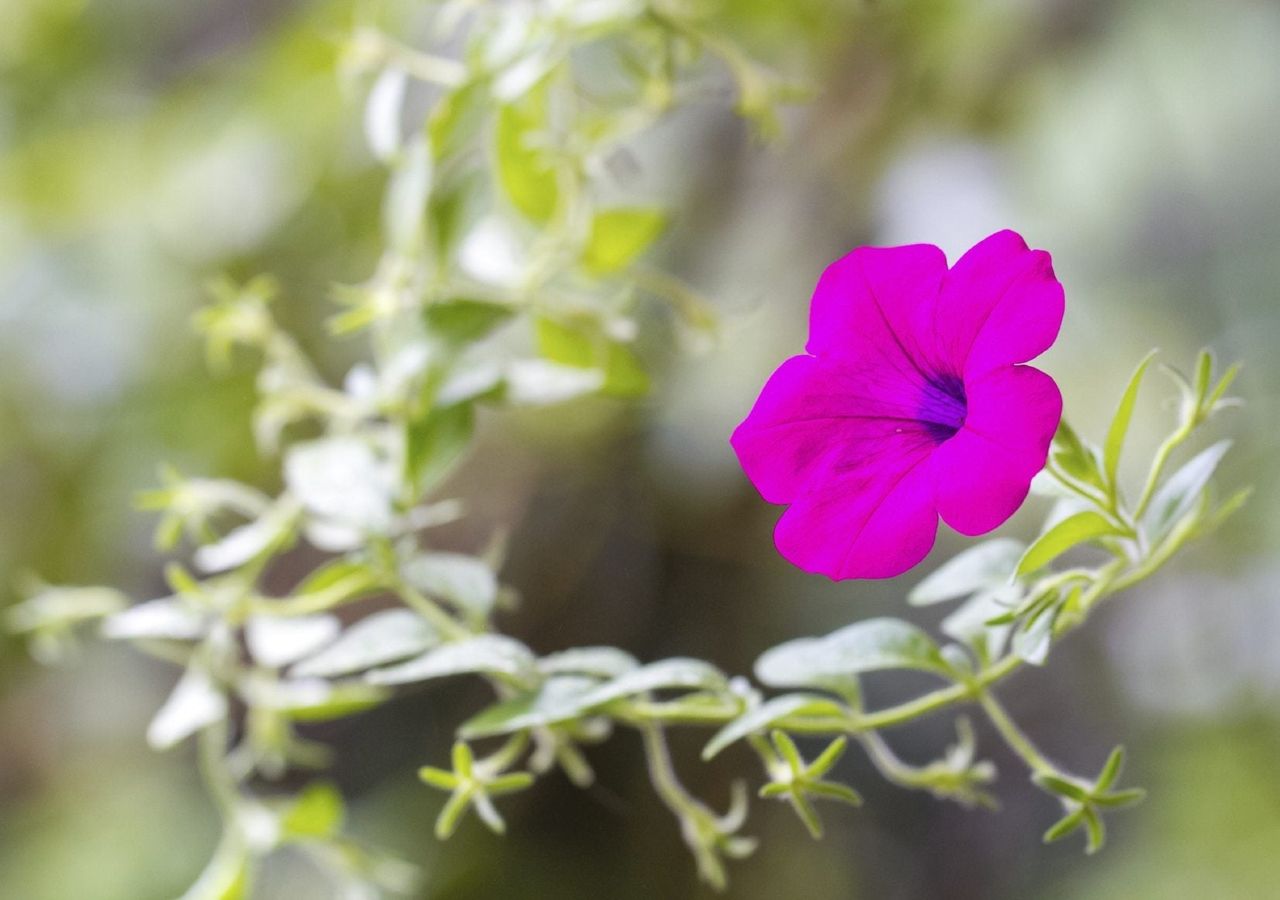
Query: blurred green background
x=146, y=145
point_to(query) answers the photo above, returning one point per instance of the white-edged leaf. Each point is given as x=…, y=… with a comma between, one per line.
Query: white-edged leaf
x=600, y=662
x=382, y=637
x=881, y=643
x=382, y=113
x=195, y=702
x=1070, y=532
x=490, y=653
x=465, y=581
x=559, y=699
x=341, y=479
x=983, y=565
x=668, y=674
x=764, y=715
x=404, y=207
x=968, y=623
x=1178, y=496
x=169, y=618
x=537, y=382
x=1032, y=643
x=276, y=641
x=313, y=699
x=248, y=541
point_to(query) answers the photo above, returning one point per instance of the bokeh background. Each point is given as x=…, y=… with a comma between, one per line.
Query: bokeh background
x=146, y=145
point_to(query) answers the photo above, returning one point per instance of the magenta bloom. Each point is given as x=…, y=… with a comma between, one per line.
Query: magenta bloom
x=910, y=404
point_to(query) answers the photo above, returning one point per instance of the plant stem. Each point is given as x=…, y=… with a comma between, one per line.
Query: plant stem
x=1015, y=737
x=1166, y=448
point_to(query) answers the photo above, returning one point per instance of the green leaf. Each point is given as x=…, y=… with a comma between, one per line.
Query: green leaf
x=1060, y=786
x=526, y=171
x=984, y=565
x=463, y=321
x=488, y=653
x=583, y=344
x=467, y=582
x=667, y=674
x=1220, y=391
x=317, y=813
x=341, y=576
x=600, y=662
x=1111, y=770
x=1121, y=798
x=1075, y=457
x=766, y=714
x=456, y=118
x=436, y=442
x=1064, y=826
x=1093, y=827
x=559, y=699
x=1070, y=532
x=618, y=237
x=1120, y=422
x=382, y=637
x=830, y=661
x=1180, y=493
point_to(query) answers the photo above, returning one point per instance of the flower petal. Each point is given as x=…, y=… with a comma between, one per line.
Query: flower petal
x=1000, y=304
x=813, y=416
x=876, y=305
x=866, y=522
x=985, y=471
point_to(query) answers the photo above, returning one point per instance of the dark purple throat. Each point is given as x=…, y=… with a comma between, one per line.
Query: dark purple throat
x=943, y=406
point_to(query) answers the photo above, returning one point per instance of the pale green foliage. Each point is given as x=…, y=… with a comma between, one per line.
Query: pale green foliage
x=496, y=239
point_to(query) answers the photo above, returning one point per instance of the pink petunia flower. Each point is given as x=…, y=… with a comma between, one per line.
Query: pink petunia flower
x=909, y=404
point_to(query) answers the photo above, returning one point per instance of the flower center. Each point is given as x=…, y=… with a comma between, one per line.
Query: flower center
x=943, y=406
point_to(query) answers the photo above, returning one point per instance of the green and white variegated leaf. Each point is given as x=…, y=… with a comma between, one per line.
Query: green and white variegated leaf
x=345, y=485
x=559, y=699
x=404, y=205
x=486, y=653
x=832, y=661
x=1179, y=495
x=669, y=674
x=599, y=662
x=52, y=607
x=1032, y=642
x=968, y=623
x=169, y=618
x=382, y=113
x=382, y=637
x=227, y=876
x=467, y=582
x=276, y=641
x=985, y=565
x=266, y=534
x=196, y=702
x=536, y=382
x=769, y=712
x=312, y=699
